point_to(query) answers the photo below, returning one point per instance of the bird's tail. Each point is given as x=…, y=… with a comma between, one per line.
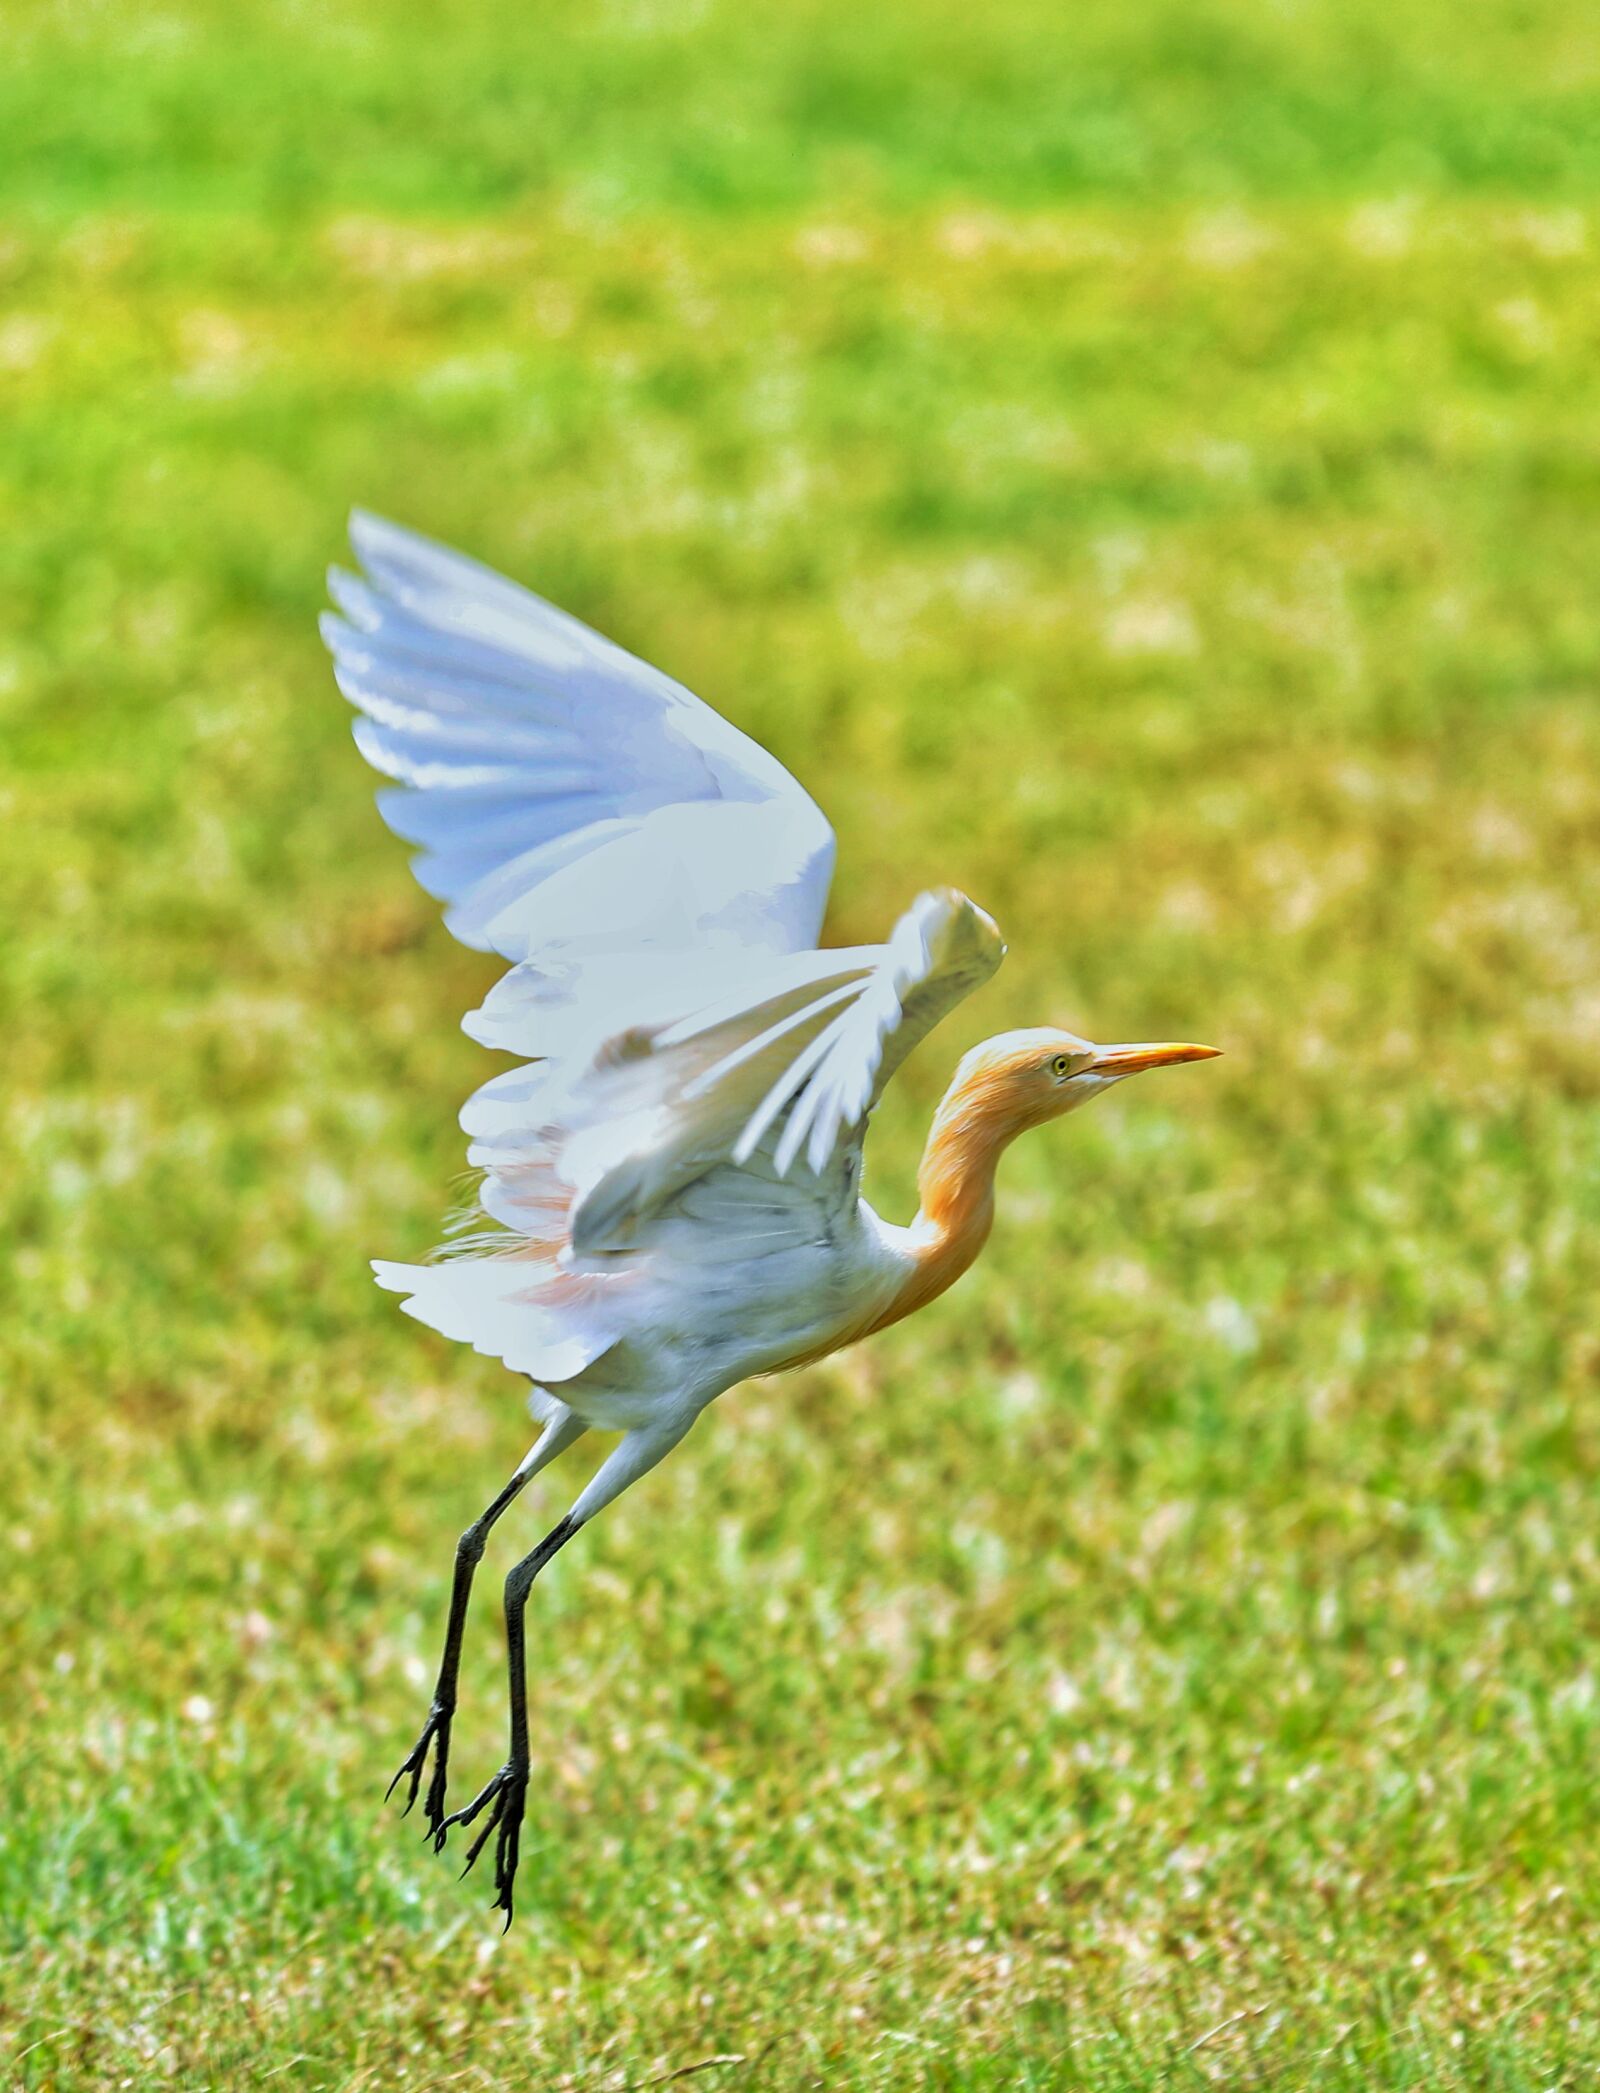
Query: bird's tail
x=543, y=1321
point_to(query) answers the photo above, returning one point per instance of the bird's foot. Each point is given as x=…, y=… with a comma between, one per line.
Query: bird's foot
x=508, y=1792
x=435, y=1738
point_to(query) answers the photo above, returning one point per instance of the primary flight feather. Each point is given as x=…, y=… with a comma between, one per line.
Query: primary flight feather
x=670, y=1193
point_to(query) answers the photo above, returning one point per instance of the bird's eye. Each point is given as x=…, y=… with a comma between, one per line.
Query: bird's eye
x=1061, y=1067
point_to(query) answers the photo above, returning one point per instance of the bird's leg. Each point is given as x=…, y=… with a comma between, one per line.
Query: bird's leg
x=508, y=1790
x=506, y=1795
x=555, y=1438
x=435, y=1735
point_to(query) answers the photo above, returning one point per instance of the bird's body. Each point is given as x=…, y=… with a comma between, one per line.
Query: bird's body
x=670, y=1199
x=730, y=1283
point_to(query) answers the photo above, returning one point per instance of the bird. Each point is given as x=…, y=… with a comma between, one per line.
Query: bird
x=668, y=1193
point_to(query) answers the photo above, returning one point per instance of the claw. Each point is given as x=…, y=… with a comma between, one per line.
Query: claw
x=508, y=1792
x=485, y=1795
x=435, y=1737
x=478, y=1844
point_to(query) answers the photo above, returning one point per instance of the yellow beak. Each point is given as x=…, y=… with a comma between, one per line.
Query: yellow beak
x=1129, y=1060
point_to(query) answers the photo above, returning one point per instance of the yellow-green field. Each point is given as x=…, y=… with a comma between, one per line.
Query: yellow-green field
x=1139, y=463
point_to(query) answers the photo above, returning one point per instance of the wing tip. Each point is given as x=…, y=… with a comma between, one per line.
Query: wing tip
x=366, y=527
x=343, y=585
x=957, y=931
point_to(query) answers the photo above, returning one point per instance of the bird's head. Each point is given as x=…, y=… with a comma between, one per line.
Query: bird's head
x=1016, y=1081
x=1021, y=1079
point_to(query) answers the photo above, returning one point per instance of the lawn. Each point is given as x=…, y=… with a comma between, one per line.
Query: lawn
x=1141, y=464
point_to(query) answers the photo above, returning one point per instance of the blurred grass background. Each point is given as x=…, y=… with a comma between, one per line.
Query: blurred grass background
x=1140, y=462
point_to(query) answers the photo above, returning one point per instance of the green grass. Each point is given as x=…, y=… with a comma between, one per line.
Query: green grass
x=1139, y=464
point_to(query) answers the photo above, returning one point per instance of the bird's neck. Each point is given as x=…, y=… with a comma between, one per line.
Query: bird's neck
x=970, y=1132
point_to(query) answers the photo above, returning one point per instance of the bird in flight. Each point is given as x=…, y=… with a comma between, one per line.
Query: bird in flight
x=670, y=1195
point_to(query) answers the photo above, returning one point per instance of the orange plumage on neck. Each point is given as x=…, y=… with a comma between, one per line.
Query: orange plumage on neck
x=982, y=1113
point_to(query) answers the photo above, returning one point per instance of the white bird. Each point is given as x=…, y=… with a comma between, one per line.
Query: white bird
x=670, y=1195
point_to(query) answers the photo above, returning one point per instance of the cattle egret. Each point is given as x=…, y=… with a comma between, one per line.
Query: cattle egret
x=670, y=1193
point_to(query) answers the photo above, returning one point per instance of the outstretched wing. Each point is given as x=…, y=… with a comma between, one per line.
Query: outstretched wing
x=571, y=801
x=783, y=1070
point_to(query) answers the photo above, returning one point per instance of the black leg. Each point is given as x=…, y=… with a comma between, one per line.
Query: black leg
x=508, y=1791
x=436, y=1730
